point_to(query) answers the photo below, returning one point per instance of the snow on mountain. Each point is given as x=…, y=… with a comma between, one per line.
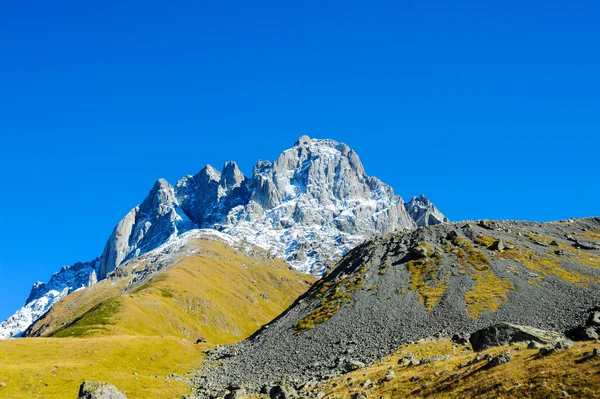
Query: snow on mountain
x=145, y=227
x=310, y=206
x=44, y=295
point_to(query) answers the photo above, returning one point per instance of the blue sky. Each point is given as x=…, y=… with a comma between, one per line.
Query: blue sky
x=489, y=108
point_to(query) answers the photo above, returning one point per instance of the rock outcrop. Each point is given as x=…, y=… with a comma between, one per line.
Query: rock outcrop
x=99, y=390
x=145, y=227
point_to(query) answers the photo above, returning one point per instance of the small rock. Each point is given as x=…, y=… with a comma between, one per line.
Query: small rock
x=359, y=395
x=2, y=384
x=498, y=245
x=534, y=345
x=200, y=340
x=502, y=358
x=353, y=365
x=390, y=375
x=239, y=393
x=596, y=352
x=565, y=394
x=99, y=390
x=282, y=391
x=367, y=384
x=414, y=378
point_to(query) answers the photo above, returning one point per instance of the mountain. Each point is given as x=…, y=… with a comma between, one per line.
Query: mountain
x=309, y=207
x=44, y=295
x=443, y=280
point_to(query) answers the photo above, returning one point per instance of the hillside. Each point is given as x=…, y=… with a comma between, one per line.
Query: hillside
x=212, y=290
x=146, y=320
x=454, y=372
x=435, y=281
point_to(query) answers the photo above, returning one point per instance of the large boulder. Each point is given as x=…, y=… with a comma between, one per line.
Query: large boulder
x=506, y=333
x=282, y=391
x=582, y=334
x=99, y=390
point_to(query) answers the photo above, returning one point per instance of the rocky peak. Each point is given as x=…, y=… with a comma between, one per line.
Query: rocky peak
x=423, y=212
x=231, y=176
x=153, y=222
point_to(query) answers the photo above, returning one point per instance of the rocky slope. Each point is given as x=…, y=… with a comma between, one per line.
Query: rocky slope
x=309, y=207
x=435, y=281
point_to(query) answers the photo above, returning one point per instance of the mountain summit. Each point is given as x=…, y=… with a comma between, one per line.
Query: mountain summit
x=309, y=207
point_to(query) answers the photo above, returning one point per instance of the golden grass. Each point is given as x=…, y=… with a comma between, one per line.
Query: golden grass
x=54, y=368
x=544, y=377
x=425, y=280
x=218, y=294
x=549, y=265
x=487, y=293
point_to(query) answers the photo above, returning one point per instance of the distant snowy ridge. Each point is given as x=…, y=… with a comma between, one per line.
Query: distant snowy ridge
x=44, y=295
x=309, y=207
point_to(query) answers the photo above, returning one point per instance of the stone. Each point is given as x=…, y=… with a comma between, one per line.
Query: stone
x=582, y=334
x=502, y=358
x=506, y=333
x=390, y=375
x=414, y=378
x=593, y=319
x=596, y=352
x=282, y=391
x=353, y=365
x=498, y=245
x=239, y=393
x=99, y=390
x=534, y=345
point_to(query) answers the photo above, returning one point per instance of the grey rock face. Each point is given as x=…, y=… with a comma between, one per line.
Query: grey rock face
x=152, y=223
x=99, y=390
x=423, y=212
x=310, y=206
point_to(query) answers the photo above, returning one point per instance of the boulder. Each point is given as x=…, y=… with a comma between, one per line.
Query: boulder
x=239, y=393
x=353, y=365
x=594, y=318
x=502, y=358
x=582, y=334
x=498, y=245
x=390, y=375
x=99, y=390
x=282, y=391
x=506, y=333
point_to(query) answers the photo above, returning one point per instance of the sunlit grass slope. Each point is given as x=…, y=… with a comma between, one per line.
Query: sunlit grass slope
x=218, y=293
x=54, y=368
x=574, y=371
x=128, y=334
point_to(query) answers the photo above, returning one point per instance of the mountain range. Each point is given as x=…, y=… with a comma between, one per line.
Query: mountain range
x=309, y=207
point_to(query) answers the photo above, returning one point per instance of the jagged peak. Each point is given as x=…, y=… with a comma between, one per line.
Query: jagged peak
x=231, y=175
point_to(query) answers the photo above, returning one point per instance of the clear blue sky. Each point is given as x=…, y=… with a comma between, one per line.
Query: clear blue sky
x=491, y=108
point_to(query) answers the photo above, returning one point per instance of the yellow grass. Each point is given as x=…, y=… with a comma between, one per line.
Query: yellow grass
x=539, y=377
x=54, y=368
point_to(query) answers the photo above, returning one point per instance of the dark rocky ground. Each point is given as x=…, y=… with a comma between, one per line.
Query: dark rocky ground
x=407, y=286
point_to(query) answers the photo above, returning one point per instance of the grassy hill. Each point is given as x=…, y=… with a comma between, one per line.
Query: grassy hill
x=128, y=333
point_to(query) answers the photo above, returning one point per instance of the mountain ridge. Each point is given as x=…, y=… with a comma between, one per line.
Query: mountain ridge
x=309, y=207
